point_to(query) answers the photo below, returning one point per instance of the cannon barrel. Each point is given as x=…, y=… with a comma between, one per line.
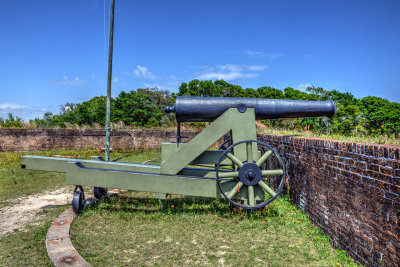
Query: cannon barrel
x=201, y=109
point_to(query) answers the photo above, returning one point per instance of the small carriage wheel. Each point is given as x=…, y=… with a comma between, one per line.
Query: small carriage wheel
x=99, y=192
x=78, y=200
x=250, y=174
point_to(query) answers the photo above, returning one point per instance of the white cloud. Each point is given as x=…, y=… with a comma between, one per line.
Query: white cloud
x=230, y=67
x=255, y=53
x=257, y=67
x=229, y=72
x=173, y=80
x=157, y=86
x=271, y=56
x=237, y=68
x=66, y=81
x=25, y=112
x=10, y=106
x=227, y=76
x=142, y=71
x=303, y=86
x=200, y=67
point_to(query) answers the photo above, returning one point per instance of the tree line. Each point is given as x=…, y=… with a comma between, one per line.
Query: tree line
x=145, y=108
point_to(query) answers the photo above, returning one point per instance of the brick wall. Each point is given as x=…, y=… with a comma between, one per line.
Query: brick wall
x=45, y=139
x=350, y=190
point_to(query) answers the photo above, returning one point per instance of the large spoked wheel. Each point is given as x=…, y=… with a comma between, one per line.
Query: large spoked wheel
x=251, y=177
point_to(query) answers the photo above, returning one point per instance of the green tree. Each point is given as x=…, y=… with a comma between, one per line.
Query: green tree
x=145, y=107
x=342, y=98
x=382, y=115
x=392, y=119
x=11, y=121
x=226, y=89
x=248, y=92
x=199, y=88
x=349, y=120
x=89, y=112
x=319, y=92
x=295, y=94
x=375, y=109
x=161, y=98
x=67, y=107
x=269, y=92
x=136, y=108
x=45, y=122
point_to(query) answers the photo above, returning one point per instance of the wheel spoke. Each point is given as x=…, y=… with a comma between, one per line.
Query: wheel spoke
x=271, y=172
x=228, y=174
x=266, y=188
x=249, y=151
x=234, y=159
x=264, y=158
x=250, y=192
x=235, y=190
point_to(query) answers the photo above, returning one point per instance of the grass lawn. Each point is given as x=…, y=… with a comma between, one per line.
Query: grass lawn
x=136, y=229
x=377, y=138
x=16, y=182
x=27, y=248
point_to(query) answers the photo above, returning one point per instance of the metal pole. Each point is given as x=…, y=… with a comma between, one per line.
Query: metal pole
x=108, y=100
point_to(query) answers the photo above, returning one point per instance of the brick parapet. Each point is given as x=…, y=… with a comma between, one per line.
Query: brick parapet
x=350, y=190
x=45, y=139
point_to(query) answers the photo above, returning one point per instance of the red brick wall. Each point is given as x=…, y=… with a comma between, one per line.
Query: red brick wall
x=350, y=190
x=45, y=139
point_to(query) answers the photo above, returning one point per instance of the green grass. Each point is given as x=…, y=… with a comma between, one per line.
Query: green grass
x=369, y=139
x=16, y=182
x=136, y=229
x=138, y=156
x=27, y=248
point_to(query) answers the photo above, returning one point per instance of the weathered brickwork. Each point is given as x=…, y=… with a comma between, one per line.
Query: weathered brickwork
x=44, y=139
x=350, y=190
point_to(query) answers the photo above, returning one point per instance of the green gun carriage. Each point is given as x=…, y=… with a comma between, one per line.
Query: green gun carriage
x=248, y=173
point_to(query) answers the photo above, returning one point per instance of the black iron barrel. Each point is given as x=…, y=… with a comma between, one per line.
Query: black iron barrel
x=200, y=109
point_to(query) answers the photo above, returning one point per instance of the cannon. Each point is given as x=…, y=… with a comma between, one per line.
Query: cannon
x=202, y=109
x=248, y=173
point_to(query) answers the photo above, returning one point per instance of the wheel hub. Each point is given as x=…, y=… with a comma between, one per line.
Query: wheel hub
x=250, y=174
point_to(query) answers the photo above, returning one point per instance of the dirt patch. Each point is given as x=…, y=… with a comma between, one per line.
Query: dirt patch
x=24, y=210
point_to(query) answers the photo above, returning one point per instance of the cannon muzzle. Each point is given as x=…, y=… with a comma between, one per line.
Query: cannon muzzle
x=201, y=109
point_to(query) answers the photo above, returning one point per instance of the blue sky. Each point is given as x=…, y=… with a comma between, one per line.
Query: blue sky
x=55, y=51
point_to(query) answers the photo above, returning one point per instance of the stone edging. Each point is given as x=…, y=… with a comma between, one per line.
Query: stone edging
x=58, y=244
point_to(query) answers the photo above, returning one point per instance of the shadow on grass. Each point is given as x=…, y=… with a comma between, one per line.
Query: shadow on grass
x=184, y=205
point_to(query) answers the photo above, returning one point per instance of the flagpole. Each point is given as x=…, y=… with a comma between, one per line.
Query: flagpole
x=109, y=78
